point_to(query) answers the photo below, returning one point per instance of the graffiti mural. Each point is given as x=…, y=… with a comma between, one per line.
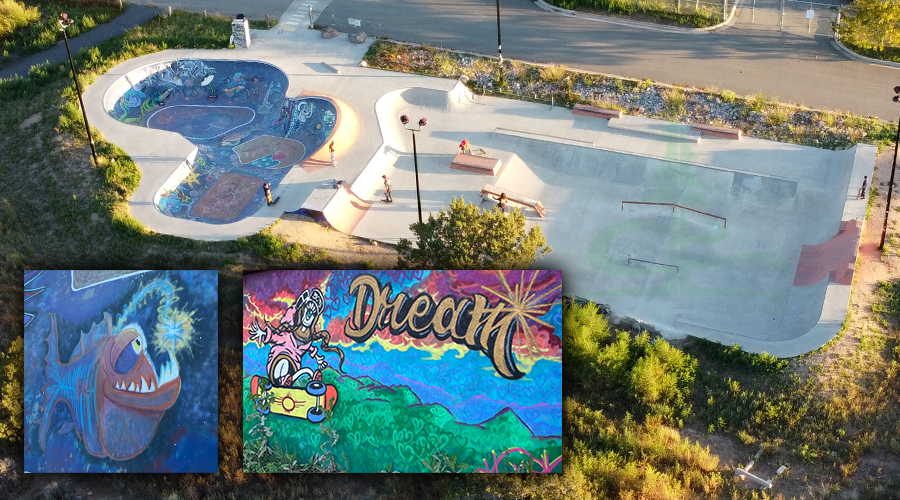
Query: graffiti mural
x=244, y=126
x=121, y=371
x=410, y=371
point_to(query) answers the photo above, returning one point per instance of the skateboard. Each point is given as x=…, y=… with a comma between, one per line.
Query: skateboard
x=308, y=402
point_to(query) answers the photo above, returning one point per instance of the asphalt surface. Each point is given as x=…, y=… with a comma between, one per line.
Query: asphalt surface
x=800, y=69
x=255, y=9
x=134, y=15
x=743, y=58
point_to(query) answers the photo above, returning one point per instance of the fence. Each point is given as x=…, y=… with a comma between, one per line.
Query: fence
x=792, y=16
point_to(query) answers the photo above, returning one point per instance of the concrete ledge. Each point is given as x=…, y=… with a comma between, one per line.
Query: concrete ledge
x=678, y=131
x=726, y=132
x=512, y=197
x=853, y=55
x=477, y=164
x=604, y=113
x=330, y=67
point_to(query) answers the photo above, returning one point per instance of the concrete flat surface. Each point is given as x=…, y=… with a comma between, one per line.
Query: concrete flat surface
x=682, y=270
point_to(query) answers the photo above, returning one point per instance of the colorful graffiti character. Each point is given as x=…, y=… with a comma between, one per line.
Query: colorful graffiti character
x=293, y=338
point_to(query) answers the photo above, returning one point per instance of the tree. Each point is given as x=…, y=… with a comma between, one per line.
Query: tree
x=467, y=238
x=11, y=377
x=871, y=24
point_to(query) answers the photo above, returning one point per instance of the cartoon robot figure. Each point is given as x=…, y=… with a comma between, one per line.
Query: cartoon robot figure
x=293, y=338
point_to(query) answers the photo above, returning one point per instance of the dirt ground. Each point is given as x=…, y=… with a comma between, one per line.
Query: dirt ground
x=342, y=247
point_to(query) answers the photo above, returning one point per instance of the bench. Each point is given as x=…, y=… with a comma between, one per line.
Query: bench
x=606, y=114
x=511, y=197
x=477, y=164
x=726, y=132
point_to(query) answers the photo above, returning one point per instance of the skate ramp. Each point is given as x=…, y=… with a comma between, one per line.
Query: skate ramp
x=345, y=210
x=834, y=259
x=453, y=100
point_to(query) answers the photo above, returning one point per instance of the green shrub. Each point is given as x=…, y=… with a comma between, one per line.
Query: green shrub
x=777, y=116
x=553, y=74
x=15, y=15
x=674, y=101
x=728, y=96
x=758, y=102
x=11, y=379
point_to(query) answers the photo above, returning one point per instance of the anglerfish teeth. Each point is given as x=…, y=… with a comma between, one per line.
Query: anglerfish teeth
x=152, y=386
x=131, y=387
x=144, y=387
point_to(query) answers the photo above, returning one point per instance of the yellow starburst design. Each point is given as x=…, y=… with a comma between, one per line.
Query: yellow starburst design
x=526, y=306
x=174, y=330
x=192, y=178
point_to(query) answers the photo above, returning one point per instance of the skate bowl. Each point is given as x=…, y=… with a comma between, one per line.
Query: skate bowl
x=246, y=131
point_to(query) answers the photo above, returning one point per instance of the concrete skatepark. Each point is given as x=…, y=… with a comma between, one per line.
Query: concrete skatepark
x=727, y=267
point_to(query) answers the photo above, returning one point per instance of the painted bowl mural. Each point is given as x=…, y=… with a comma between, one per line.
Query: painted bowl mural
x=246, y=130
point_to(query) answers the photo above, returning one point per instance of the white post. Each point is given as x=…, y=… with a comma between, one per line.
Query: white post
x=724, y=10
x=782, y=15
x=753, y=13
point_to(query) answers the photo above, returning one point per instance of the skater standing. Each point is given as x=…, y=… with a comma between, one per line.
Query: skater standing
x=862, y=190
x=333, y=160
x=267, y=189
x=501, y=202
x=387, y=189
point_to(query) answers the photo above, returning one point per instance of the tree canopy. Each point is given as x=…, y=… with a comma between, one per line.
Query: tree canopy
x=465, y=237
x=871, y=24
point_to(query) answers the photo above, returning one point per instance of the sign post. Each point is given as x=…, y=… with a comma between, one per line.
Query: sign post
x=240, y=33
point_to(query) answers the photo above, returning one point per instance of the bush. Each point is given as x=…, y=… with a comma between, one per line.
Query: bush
x=15, y=15
x=553, y=74
x=728, y=96
x=636, y=375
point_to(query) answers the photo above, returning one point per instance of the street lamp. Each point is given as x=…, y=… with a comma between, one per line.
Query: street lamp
x=405, y=120
x=887, y=209
x=65, y=22
x=499, y=43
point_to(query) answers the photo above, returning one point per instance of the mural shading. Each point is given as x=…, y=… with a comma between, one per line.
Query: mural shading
x=244, y=126
x=121, y=371
x=412, y=371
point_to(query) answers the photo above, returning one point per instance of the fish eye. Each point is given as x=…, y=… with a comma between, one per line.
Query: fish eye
x=129, y=357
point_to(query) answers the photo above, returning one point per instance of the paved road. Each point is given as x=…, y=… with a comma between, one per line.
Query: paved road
x=800, y=69
x=134, y=15
x=255, y=9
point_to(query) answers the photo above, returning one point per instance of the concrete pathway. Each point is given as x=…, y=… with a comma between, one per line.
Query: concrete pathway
x=134, y=15
x=682, y=272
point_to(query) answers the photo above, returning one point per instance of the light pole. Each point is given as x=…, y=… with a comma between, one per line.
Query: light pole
x=405, y=120
x=499, y=43
x=65, y=22
x=887, y=209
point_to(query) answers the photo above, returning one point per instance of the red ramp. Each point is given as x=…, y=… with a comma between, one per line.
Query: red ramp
x=835, y=258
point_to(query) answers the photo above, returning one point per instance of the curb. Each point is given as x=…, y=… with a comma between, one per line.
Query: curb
x=861, y=58
x=638, y=24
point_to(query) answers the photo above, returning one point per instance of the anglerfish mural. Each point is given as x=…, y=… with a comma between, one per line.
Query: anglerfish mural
x=121, y=372
x=114, y=393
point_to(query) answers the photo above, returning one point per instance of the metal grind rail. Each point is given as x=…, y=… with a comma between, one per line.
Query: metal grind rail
x=632, y=259
x=673, y=205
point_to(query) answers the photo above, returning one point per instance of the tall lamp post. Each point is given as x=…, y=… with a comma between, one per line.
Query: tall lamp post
x=887, y=209
x=499, y=43
x=405, y=121
x=65, y=22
